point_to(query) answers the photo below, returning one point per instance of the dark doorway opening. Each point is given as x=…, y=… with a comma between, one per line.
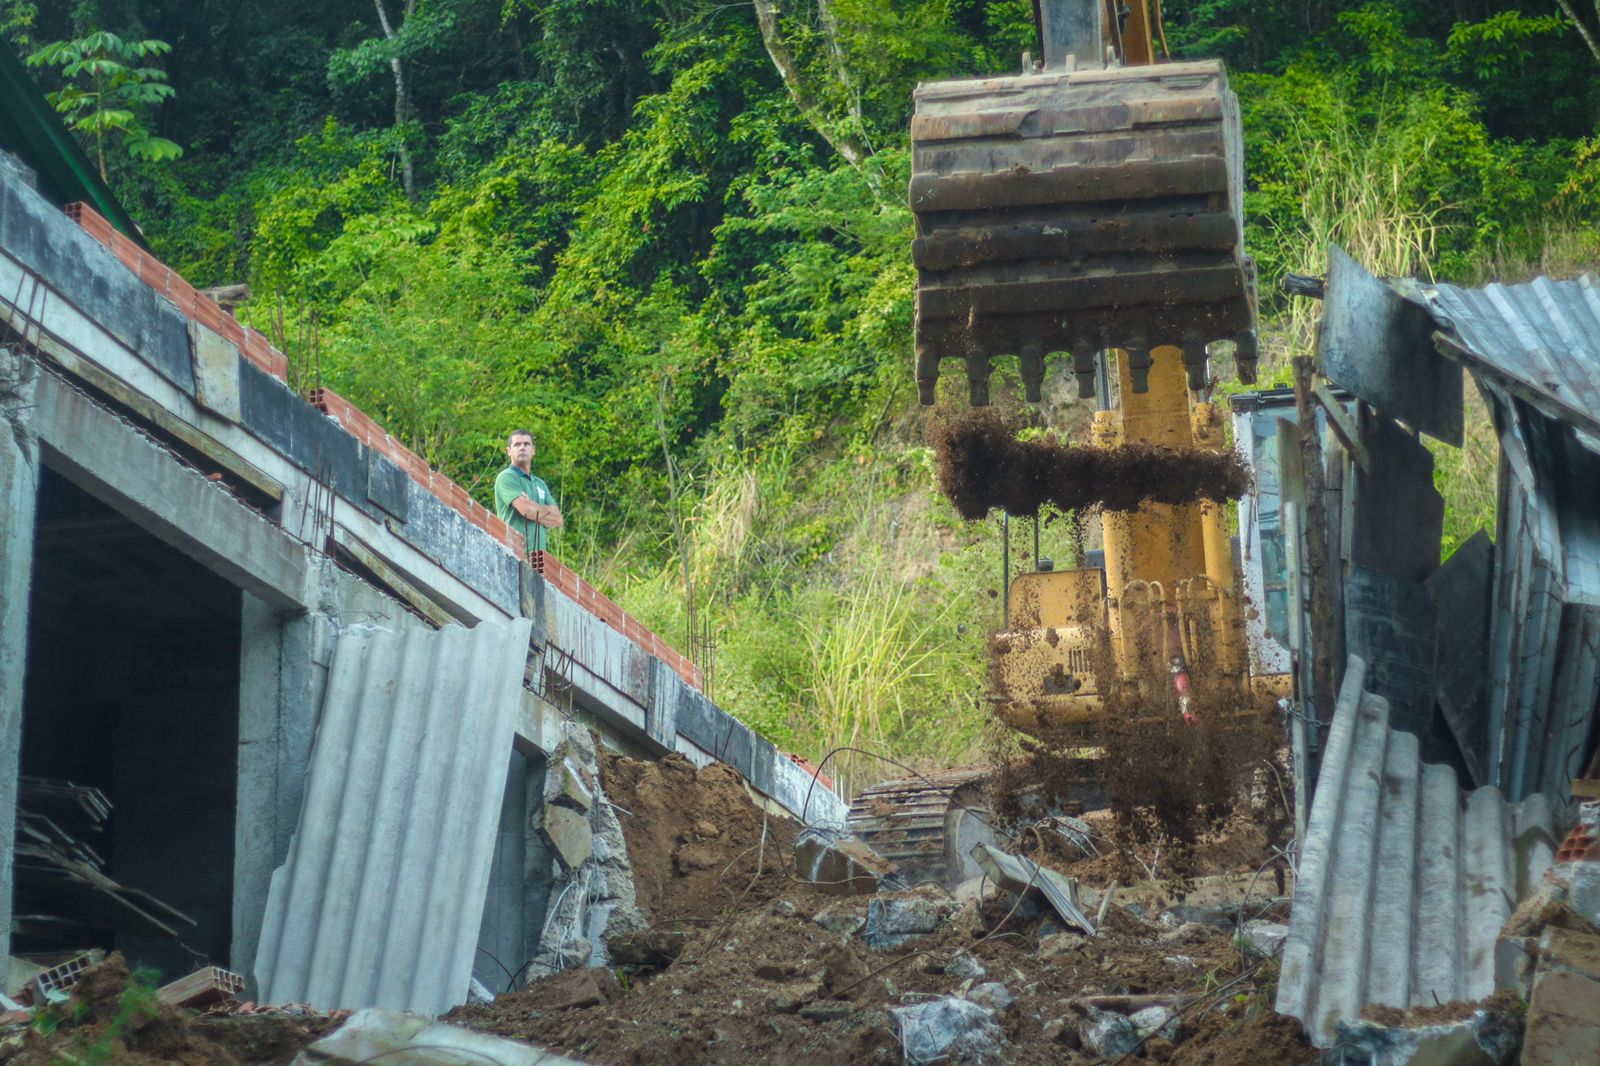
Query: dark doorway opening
x=132, y=690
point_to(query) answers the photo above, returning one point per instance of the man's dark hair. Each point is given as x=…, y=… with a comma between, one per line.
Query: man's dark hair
x=514, y=434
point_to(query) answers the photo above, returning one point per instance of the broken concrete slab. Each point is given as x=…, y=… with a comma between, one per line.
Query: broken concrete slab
x=390, y=1036
x=893, y=920
x=565, y=786
x=1156, y=1021
x=569, y=835
x=947, y=1029
x=1265, y=938
x=1564, y=1009
x=992, y=994
x=838, y=865
x=1107, y=1034
x=1484, y=1039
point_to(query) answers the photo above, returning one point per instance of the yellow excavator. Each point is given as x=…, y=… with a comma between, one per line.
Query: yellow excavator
x=1089, y=207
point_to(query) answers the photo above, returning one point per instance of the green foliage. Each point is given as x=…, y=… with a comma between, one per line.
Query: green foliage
x=106, y=92
x=631, y=233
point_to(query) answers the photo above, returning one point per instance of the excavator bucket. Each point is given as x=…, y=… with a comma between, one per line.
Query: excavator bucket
x=1077, y=211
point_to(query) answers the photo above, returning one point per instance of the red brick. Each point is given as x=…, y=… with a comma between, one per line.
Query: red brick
x=518, y=543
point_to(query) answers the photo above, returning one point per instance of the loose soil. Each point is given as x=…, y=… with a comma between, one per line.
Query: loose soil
x=753, y=976
x=112, y=1019
x=982, y=466
x=695, y=839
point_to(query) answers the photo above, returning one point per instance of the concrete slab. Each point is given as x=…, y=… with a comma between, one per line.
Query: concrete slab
x=112, y=461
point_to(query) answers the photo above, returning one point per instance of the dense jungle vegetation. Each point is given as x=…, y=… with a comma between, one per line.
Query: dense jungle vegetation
x=671, y=237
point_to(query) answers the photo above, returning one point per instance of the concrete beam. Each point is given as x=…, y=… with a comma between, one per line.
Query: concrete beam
x=112, y=461
x=19, y=489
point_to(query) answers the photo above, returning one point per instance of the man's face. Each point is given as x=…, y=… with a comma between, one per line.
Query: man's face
x=520, y=451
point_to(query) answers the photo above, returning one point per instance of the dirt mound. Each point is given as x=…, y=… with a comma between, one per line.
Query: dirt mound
x=1230, y=1038
x=113, y=1018
x=696, y=842
x=982, y=465
x=740, y=968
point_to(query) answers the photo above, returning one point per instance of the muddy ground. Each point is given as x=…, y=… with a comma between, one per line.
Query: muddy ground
x=745, y=962
x=983, y=466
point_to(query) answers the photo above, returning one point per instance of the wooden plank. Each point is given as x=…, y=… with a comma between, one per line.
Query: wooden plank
x=1343, y=426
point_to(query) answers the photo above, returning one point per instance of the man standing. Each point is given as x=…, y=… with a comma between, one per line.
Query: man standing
x=522, y=500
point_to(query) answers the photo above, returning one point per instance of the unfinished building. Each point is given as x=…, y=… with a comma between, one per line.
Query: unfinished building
x=274, y=695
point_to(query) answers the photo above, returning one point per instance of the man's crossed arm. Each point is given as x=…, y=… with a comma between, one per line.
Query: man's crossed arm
x=547, y=515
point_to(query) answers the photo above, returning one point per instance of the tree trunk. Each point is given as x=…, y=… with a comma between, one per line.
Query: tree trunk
x=847, y=145
x=402, y=101
x=1578, y=24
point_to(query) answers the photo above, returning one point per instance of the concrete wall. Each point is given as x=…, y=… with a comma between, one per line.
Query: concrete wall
x=159, y=417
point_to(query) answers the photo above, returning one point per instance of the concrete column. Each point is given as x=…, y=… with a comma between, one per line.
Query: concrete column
x=278, y=699
x=19, y=489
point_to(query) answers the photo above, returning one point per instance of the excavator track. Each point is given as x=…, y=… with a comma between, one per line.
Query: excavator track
x=1077, y=211
x=926, y=826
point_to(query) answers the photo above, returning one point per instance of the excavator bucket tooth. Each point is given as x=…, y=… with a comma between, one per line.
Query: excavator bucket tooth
x=1054, y=206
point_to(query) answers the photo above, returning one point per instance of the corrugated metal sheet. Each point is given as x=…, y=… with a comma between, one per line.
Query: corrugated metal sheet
x=1405, y=880
x=1535, y=351
x=1539, y=341
x=380, y=900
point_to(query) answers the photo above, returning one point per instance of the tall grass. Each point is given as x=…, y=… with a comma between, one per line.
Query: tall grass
x=1356, y=185
x=869, y=651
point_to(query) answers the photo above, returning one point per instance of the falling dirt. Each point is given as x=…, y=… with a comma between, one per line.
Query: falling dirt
x=983, y=466
x=771, y=970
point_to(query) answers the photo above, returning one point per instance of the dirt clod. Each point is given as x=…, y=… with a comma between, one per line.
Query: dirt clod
x=983, y=466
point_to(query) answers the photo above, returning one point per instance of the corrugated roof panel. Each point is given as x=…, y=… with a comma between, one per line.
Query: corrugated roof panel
x=1542, y=339
x=1404, y=880
x=381, y=897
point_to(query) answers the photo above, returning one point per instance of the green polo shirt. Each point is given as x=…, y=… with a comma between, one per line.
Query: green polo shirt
x=508, y=486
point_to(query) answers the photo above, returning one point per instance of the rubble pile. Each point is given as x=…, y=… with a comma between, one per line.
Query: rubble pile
x=745, y=960
x=108, y=1017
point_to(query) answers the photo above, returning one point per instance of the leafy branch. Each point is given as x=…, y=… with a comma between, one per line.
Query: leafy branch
x=105, y=90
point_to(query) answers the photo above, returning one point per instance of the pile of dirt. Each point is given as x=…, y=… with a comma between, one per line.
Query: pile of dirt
x=982, y=466
x=112, y=1018
x=696, y=842
x=744, y=968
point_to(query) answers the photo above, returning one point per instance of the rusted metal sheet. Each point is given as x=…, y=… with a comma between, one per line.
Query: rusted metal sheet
x=1076, y=212
x=1460, y=590
x=1376, y=344
x=925, y=826
x=1539, y=342
x=1405, y=880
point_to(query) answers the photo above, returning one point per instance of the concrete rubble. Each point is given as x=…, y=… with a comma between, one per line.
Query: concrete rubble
x=1486, y=1038
x=838, y=864
x=947, y=1029
x=893, y=920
